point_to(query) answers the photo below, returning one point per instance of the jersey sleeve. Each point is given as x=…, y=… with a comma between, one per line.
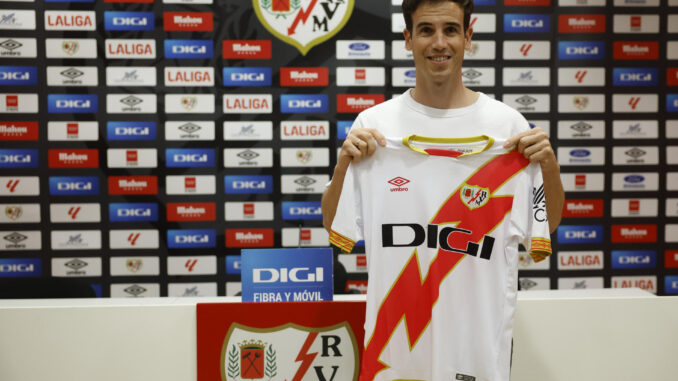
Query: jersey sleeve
x=347, y=225
x=536, y=237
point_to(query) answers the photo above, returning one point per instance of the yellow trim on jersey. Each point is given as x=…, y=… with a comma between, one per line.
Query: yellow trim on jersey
x=428, y=139
x=540, y=249
x=342, y=242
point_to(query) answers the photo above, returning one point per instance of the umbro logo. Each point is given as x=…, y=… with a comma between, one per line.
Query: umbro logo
x=399, y=182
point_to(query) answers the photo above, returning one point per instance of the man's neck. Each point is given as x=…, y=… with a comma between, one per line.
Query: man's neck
x=444, y=96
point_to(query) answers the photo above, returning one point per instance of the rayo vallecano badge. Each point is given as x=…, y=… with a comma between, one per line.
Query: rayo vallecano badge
x=289, y=352
x=474, y=196
x=303, y=23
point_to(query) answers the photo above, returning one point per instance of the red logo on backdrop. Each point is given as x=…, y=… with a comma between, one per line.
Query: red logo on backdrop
x=357, y=285
x=671, y=259
x=304, y=76
x=132, y=156
x=579, y=76
x=305, y=236
x=73, y=158
x=636, y=50
x=583, y=208
x=672, y=76
x=634, y=233
x=12, y=184
x=581, y=23
x=634, y=206
x=191, y=211
x=188, y=21
x=128, y=1
x=132, y=185
x=580, y=181
x=248, y=209
x=361, y=261
x=633, y=102
x=636, y=22
x=536, y=3
x=249, y=238
x=247, y=49
x=190, y=183
x=360, y=74
x=18, y=130
x=72, y=129
x=355, y=103
x=525, y=49
x=12, y=101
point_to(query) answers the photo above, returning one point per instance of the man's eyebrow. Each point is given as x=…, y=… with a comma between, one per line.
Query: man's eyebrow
x=449, y=23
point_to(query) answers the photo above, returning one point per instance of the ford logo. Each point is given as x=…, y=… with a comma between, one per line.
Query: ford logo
x=359, y=46
x=634, y=179
x=411, y=73
x=580, y=152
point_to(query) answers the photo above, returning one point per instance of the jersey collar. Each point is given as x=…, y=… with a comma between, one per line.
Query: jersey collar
x=443, y=151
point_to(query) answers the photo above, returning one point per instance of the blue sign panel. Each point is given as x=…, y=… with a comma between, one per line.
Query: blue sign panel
x=580, y=234
x=72, y=103
x=20, y=267
x=189, y=157
x=129, y=20
x=18, y=75
x=671, y=284
x=304, y=103
x=73, y=186
x=233, y=264
x=19, y=158
x=343, y=127
x=286, y=275
x=247, y=76
x=191, y=239
x=131, y=130
x=301, y=210
x=672, y=102
x=635, y=77
x=634, y=259
x=248, y=184
x=136, y=212
x=581, y=50
x=527, y=23
x=189, y=49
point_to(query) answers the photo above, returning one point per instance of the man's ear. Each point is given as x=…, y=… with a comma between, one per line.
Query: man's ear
x=408, y=39
x=467, y=38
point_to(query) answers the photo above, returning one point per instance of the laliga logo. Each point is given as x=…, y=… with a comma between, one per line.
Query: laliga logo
x=303, y=23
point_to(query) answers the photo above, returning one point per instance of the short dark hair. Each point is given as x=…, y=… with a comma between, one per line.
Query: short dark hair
x=409, y=6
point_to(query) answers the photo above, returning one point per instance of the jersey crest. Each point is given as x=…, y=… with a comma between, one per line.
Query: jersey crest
x=474, y=196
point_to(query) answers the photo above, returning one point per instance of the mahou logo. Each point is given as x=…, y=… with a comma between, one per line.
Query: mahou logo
x=73, y=158
x=247, y=49
x=18, y=130
x=303, y=23
x=304, y=76
x=188, y=21
x=355, y=103
x=194, y=211
x=581, y=24
x=132, y=185
x=634, y=233
x=583, y=208
x=249, y=238
x=636, y=50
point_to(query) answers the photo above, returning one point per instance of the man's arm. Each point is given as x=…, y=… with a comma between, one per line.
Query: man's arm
x=359, y=144
x=535, y=146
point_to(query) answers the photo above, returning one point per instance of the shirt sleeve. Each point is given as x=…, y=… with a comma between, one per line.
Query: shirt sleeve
x=347, y=225
x=537, y=239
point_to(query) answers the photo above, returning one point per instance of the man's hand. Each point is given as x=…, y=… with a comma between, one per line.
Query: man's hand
x=536, y=147
x=360, y=144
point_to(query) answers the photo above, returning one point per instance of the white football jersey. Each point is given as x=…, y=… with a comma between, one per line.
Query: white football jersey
x=442, y=219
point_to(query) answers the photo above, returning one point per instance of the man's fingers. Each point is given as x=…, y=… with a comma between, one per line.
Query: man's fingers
x=379, y=137
x=371, y=147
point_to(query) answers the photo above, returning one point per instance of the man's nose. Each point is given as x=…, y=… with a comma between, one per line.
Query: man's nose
x=439, y=40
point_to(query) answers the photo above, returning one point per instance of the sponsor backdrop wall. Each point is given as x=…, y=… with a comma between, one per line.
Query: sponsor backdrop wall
x=143, y=144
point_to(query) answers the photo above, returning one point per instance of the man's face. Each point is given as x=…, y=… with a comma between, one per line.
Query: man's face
x=437, y=41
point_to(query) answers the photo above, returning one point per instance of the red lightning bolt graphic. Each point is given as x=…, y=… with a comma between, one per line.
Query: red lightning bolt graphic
x=12, y=184
x=422, y=295
x=305, y=357
x=301, y=16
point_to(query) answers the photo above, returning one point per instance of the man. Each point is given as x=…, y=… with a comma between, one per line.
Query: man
x=441, y=310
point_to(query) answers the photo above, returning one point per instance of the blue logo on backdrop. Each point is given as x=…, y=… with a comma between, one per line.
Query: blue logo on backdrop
x=634, y=259
x=129, y=20
x=672, y=102
x=301, y=210
x=671, y=284
x=69, y=1
x=343, y=127
x=19, y=158
x=286, y=275
x=127, y=212
x=189, y=239
x=189, y=49
x=247, y=76
x=248, y=184
x=24, y=267
x=581, y=50
x=484, y=2
x=635, y=77
x=72, y=103
x=527, y=23
x=189, y=157
x=73, y=186
x=359, y=46
x=233, y=264
x=580, y=234
x=304, y=103
x=131, y=130
x=18, y=75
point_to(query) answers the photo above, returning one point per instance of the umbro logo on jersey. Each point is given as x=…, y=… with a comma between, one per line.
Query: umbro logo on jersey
x=399, y=183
